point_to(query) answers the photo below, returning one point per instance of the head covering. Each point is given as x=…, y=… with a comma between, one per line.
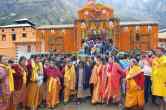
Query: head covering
x=134, y=60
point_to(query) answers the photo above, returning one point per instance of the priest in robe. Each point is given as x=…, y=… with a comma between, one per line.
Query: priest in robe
x=35, y=69
x=20, y=80
x=95, y=80
x=69, y=80
x=134, y=87
x=53, y=85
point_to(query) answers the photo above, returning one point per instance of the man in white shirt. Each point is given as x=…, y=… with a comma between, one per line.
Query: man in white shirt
x=147, y=69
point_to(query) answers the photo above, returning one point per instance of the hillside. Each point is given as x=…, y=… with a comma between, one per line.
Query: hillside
x=65, y=11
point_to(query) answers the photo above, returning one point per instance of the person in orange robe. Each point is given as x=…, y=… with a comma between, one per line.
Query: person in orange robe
x=95, y=80
x=103, y=82
x=114, y=73
x=53, y=85
x=135, y=87
x=35, y=69
x=20, y=79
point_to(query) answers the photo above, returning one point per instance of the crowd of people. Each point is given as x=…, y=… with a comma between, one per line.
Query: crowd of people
x=128, y=81
x=95, y=46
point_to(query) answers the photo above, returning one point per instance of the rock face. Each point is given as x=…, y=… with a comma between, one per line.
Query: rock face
x=64, y=11
x=40, y=11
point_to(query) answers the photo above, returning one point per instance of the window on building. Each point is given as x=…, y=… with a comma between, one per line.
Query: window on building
x=12, y=29
x=24, y=35
x=137, y=37
x=63, y=31
x=125, y=28
x=3, y=30
x=3, y=37
x=13, y=37
x=162, y=45
x=149, y=28
x=29, y=49
x=52, y=30
x=42, y=36
x=23, y=28
x=43, y=31
x=137, y=28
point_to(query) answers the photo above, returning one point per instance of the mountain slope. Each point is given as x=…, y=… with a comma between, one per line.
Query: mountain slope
x=40, y=11
x=65, y=11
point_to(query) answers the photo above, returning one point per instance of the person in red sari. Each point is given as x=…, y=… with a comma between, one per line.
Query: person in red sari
x=20, y=79
x=53, y=85
x=114, y=73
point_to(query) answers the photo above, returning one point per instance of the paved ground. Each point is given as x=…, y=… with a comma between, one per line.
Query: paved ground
x=88, y=106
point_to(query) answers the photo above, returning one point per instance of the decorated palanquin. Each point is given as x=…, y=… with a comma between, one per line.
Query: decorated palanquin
x=96, y=21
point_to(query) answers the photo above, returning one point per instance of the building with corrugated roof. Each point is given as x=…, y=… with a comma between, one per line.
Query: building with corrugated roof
x=18, y=38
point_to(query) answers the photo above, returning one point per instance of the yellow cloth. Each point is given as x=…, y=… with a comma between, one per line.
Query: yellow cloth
x=159, y=76
x=24, y=77
x=93, y=49
x=32, y=99
x=133, y=71
x=134, y=95
x=53, y=92
x=95, y=80
x=10, y=72
x=34, y=91
x=70, y=76
x=51, y=83
x=69, y=82
x=36, y=69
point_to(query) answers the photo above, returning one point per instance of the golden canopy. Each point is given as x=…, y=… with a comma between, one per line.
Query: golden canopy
x=95, y=11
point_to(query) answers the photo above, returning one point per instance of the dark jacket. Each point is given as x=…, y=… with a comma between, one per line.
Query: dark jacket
x=86, y=75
